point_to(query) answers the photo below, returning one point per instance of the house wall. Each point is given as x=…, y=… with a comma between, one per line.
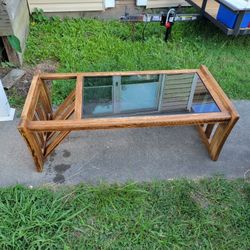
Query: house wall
x=5, y=22
x=20, y=23
x=14, y=20
x=66, y=5
x=165, y=3
x=109, y=13
x=96, y=8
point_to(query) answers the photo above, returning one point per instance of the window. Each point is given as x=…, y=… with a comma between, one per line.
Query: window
x=145, y=94
x=120, y=94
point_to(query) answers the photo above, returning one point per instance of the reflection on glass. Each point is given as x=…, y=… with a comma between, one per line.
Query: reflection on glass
x=146, y=94
x=98, y=100
x=98, y=81
x=97, y=96
x=139, y=93
x=139, y=79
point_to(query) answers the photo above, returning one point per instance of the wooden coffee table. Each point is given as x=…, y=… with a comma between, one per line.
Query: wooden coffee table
x=108, y=100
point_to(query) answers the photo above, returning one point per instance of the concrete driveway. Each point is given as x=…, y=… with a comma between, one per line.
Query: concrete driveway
x=143, y=154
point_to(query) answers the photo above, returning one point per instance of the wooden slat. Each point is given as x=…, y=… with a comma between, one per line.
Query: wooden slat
x=212, y=90
x=55, y=142
x=219, y=138
x=69, y=110
x=33, y=147
x=33, y=91
x=147, y=72
x=42, y=116
x=69, y=100
x=11, y=53
x=209, y=130
x=65, y=116
x=31, y=100
x=45, y=98
x=212, y=6
x=36, y=117
x=204, y=138
x=127, y=122
x=58, y=76
x=216, y=91
x=39, y=138
x=78, y=97
x=33, y=105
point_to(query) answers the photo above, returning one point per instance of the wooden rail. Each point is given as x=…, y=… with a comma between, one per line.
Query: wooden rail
x=43, y=129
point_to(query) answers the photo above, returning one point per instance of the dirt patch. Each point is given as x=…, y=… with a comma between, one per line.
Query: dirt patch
x=3, y=72
x=200, y=199
x=19, y=91
x=23, y=85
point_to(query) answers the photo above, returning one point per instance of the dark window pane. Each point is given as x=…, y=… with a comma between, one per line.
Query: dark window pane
x=139, y=79
x=97, y=101
x=98, y=81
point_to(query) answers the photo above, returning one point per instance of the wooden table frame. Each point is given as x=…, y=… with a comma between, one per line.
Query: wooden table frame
x=43, y=129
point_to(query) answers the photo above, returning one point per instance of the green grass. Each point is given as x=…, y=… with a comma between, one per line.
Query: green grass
x=15, y=99
x=209, y=214
x=93, y=45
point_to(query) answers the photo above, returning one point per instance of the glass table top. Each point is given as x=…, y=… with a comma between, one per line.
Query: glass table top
x=154, y=94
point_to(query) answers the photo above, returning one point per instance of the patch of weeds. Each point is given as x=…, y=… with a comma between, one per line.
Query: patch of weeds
x=61, y=89
x=96, y=45
x=7, y=65
x=38, y=16
x=16, y=100
x=158, y=215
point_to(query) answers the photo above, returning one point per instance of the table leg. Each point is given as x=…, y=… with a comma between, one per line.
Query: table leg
x=220, y=135
x=33, y=145
x=214, y=136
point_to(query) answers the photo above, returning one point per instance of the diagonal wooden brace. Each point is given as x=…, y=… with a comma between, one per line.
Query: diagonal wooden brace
x=38, y=107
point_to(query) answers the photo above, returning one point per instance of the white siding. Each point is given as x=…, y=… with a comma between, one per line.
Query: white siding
x=141, y=2
x=14, y=19
x=66, y=5
x=109, y=3
x=165, y=3
x=5, y=22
